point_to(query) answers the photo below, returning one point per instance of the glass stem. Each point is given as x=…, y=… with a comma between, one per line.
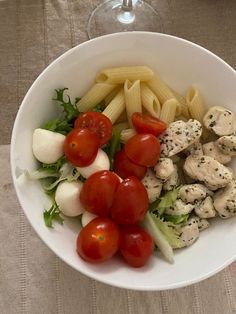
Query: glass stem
x=127, y=5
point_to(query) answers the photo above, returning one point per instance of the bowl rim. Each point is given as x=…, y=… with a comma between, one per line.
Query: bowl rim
x=180, y=284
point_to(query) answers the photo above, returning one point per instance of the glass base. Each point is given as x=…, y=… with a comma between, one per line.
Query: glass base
x=109, y=18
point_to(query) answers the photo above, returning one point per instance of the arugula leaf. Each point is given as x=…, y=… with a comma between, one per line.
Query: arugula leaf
x=53, y=214
x=99, y=108
x=176, y=219
x=64, y=124
x=167, y=200
x=113, y=146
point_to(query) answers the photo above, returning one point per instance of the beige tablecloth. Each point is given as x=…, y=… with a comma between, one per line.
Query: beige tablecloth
x=32, y=279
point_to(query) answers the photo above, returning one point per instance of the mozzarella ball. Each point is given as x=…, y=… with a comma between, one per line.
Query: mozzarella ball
x=47, y=145
x=67, y=198
x=101, y=162
x=87, y=217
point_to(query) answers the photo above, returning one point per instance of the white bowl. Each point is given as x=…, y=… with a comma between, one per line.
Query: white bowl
x=181, y=64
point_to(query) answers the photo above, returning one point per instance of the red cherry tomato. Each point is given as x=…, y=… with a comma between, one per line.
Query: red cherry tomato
x=143, y=149
x=136, y=245
x=98, y=192
x=125, y=168
x=130, y=203
x=98, y=241
x=145, y=123
x=81, y=147
x=96, y=122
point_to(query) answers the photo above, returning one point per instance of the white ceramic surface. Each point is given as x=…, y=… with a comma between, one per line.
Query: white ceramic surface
x=181, y=64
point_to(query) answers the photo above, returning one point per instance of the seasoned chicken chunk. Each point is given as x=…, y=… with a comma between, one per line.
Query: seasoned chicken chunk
x=227, y=145
x=172, y=181
x=205, y=209
x=164, y=168
x=212, y=150
x=178, y=136
x=225, y=200
x=220, y=120
x=179, y=208
x=209, y=171
x=190, y=193
x=189, y=232
x=202, y=223
x=153, y=185
x=195, y=149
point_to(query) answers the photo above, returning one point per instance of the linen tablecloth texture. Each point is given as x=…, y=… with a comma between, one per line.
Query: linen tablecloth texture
x=32, y=279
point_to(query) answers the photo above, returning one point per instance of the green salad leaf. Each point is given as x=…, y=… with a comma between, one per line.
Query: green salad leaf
x=113, y=146
x=53, y=214
x=63, y=124
x=176, y=219
x=164, y=202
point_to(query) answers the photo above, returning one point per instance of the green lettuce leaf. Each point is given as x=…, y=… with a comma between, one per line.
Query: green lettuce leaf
x=176, y=219
x=167, y=200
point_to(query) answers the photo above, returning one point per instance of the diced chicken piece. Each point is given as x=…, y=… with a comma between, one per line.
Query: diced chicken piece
x=227, y=145
x=153, y=185
x=220, y=120
x=206, y=208
x=172, y=181
x=190, y=193
x=195, y=149
x=178, y=136
x=225, y=200
x=180, y=208
x=212, y=150
x=164, y=168
x=202, y=223
x=189, y=232
x=209, y=171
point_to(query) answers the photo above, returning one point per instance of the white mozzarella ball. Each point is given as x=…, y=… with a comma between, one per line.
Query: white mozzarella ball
x=101, y=162
x=47, y=145
x=67, y=198
x=87, y=217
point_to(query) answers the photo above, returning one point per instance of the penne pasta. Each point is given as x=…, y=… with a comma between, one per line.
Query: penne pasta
x=115, y=107
x=121, y=74
x=112, y=94
x=150, y=101
x=121, y=126
x=125, y=135
x=195, y=104
x=183, y=103
x=94, y=96
x=168, y=110
x=163, y=92
x=132, y=99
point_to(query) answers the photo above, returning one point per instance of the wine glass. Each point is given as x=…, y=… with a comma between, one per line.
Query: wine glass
x=115, y=16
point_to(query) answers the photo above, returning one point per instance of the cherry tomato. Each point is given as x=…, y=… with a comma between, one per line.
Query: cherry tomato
x=98, y=192
x=145, y=123
x=143, y=149
x=136, y=245
x=96, y=122
x=98, y=241
x=130, y=202
x=125, y=168
x=81, y=147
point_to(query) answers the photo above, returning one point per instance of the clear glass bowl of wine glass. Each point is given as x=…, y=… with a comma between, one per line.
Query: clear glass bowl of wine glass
x=115, y=16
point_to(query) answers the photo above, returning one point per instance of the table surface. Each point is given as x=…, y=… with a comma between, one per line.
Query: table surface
x=33, y=280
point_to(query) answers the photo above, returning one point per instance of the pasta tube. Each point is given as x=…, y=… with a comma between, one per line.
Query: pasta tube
x=115, y=107
x=168, y=110
x=94, y=96
x=150, y=101
x=132, y=99
x=121, y=74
